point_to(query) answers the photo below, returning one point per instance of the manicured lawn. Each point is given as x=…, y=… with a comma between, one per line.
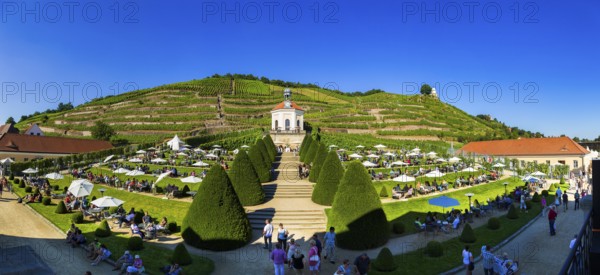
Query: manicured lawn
x=154, y=256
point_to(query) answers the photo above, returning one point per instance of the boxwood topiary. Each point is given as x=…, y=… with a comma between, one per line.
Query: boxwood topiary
x=327, y=184
x=318, y=162
x=11, y=177
x=77, y=217
x=552, y=189
x=17, y=181
x=181, y=255
x=385, y=261
x=61, y=208
x=172, y=227
x=383, y=193
x=493, y=223
x=434, y=249
x=28, y=189
x=103, y=229
x=245, y=180
x=512, y=212
x=56, y=187
x=535, y=197
x=467, y=235
x=545, y=193
x=47, y=201
x=135, y=243
x=21, y=184
x=398, y=227
x=159, y=190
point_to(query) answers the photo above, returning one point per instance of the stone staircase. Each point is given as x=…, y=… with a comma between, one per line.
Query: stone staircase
x=276, y=191
x=293, y=220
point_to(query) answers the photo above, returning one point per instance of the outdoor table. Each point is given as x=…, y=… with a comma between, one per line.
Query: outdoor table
x=96, y=213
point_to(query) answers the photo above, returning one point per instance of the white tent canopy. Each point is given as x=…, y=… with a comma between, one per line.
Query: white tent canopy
x=211, y=156
x=135, y=173
x=416, y=149
x=538, y=174
x=440, y=160
x=360, y=146
x=355, y=156
x=432, y=153
x=434, y=174
x=175, y=143
x=453, y=159
x=469, y=169
x=380, y=146
x=158, y=160
x=162, y=176
x=403, y=178
x=372, y=156
x=30, y=171
x=81, y=188
x=191, y=179
x=135, y=160
x=121, y=171
x=201, y=164
x=398, y=163
x=140, y=152
x=498, y=165
x=367, y=163
x=54, y=176
x=107, y=202
x=6, y=160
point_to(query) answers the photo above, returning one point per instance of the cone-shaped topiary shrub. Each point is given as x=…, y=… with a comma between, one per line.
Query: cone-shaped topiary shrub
x=265, y=155
x=304, y=150
x=271, y=148
x=552, y=189
x=434, y=249
x=216, y=219
x=263, y=172
x=135, y=243
x=327, y=184
x=56, y=187
x=245, y=180
x=318, y=163
x=493, y=223
x=61, y=208
x=385, y=261
x=17, y=181
x=77, y=217
x=467, y=235
x=383, y=193
x=312, y=151
x=545, y=193
x=47, y=201
x=28, y=189
x=303, y=145
x=103, y=229
x=11, y=177
x=398, y=227
x=181, y=255
x=512, y=212
x=356, y=212
x=536, y=197
x=21, y=184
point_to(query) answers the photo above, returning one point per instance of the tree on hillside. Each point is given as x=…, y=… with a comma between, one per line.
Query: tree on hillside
x=328, y=181
x=216, y=219
x=312, y=151
x=317, y=163
x=245, y=180
x=102, y=131
x=356, y=211
x=258, y=163
x=10, y=120
x=304, y=150
x=426, y=89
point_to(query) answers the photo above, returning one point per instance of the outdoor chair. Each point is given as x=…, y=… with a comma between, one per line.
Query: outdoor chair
x=419, y=228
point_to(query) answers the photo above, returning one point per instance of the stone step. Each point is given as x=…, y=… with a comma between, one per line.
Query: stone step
x=287, y=186
x=293, y=228
x=284, y=196
x=293, y=218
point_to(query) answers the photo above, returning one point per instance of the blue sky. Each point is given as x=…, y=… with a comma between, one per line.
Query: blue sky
x=542, y=55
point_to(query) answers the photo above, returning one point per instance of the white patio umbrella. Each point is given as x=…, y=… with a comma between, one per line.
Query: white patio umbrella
x=30, y=171
x=440, y=160
x=477, y=166
x=211, y=156
x=398, y=163
x=236, y=151
x=184, y=148
x=341, y=150
x=332, y=146
x=469, y=169
x=81, y=188
x=158, y=160
x=538, y=174
x=355, y=156
x=162, y=176
x=140, y=152
x=109, y=158
x=6, y=160
x=413, y=154
x=198, y=150
x=201, y=164
x=191, y=179
x=432, y=154
x=359, y=146
x=498, y=165
x=434, y=174
x=54, y=176
x=135, y=173
x=181, y=154
x=135, y=160
x=380, y=146
x=245, y=146
x=216, y=146
x=372, y=156
x=403, y=178
x=367, y=163
x=107, y=202
x=121, y=171
x=416, y=149
x=151, y=149
x=453, y=159
x=389, y=154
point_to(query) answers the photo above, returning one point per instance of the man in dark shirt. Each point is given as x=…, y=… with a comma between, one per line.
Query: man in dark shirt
x=362, y=264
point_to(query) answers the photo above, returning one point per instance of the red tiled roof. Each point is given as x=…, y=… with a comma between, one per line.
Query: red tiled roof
x=525, y=146
x=282, y=106
x=54, y=145
x=8, y=128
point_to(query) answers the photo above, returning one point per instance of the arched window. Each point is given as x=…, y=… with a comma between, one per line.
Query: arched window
x=276, y=124
x=298, y=123
x=287, y=124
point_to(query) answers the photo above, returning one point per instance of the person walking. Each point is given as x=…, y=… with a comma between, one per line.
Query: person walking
x=298, y=261
x=468, y=260
x=488, y=261
x=267, y=234
x=291, y=251
x=552, y=219
x=544, y=209
x=558, y=194
x=522, y=205
x=330, y=245
x=565, y=200
x=577, y=196
x=282, y=235
x=362, y=264
x=314, y=260
x=278, y=258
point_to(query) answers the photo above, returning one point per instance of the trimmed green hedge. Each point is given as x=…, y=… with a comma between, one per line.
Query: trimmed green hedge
x=312, y=151
x=512, y=212
x=216, y=219
x=493, y=223
x=263, y=172
x=172, y=227
x=47, y=201
x=385, y=261
x=103, y=229
x=318, y=162
x=467, y=235
x=135, y=243
x=245, y=180
x=181, y=255
x=383, y=193
x=356, y=212
x=327, y=184
x=61, y=208
x=305, y=148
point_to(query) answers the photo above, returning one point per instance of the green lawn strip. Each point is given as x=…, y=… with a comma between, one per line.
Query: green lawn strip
x=154, y=256
x=417, y=262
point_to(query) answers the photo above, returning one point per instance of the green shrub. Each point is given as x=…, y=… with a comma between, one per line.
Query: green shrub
x=385, y=261
x=270, y=145
x=303, y=146
x=318, y=162
x=383, y=193
x=11, y=177
x=265, y=155
x=467, y=235
x=398, y=227
x=535, y=198
x=56, y=187
x=21, y=184
x=512, y=212
x=185, y=190
x=552, y=189
x=93, y=198
x=135, y=243
x=545, y=193
x=562, y=181
x=77, y=217
x=306, y=147
x=103, y=229
x=327, y=184
x=172, y=227
x=47, y=201
x=245, y=180
x=434, y=249
x=159, y=190
x=181, y=255
x=17, y=181
x=312, y=152
x=528, y=205
x=216, y=220
x=28, y=189
x=493, y=223
x=35, y=190
x=61, y=208
x=263, y=171
x=356, y=212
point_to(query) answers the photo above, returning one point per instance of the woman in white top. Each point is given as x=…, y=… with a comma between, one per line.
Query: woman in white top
x=467, y=258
